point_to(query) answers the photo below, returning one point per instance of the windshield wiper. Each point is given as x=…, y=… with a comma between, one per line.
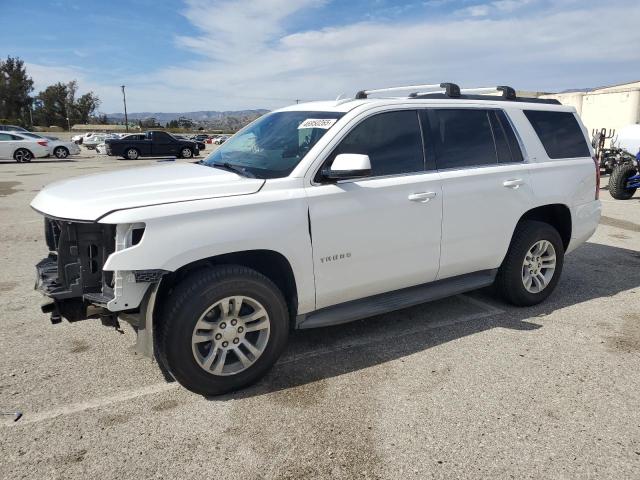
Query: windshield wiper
x=235, y=169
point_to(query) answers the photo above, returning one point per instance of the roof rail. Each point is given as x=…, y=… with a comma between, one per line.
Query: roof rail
x=365, y=93
x=452, y=90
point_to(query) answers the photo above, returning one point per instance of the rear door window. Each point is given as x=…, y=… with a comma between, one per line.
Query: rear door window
x=559, y=133
x=507, y=146
x=460, y=137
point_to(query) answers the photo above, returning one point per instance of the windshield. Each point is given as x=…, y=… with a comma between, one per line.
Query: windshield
x=273, y=145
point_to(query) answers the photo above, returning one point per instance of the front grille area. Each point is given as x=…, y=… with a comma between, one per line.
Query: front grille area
x=73, y=269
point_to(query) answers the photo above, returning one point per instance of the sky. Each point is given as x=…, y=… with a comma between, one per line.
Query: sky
x=190, y=55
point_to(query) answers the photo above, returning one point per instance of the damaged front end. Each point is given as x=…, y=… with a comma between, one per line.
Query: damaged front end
x=72, y=275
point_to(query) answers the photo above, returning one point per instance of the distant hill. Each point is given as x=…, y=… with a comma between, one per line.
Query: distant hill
x=202, y=116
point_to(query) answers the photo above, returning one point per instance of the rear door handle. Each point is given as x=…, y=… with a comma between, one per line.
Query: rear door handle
x=514, y=183
x=422, y=197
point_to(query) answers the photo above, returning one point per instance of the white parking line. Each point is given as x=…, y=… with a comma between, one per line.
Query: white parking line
x=488, y=310
x=95, y=403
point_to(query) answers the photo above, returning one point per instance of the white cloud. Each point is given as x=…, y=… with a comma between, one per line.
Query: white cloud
x=249, y=60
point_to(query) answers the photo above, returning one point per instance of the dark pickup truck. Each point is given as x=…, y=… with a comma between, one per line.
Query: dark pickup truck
x=151, y=144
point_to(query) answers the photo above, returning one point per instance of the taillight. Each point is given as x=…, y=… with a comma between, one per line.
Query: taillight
x=597, y=164
x=42, y=142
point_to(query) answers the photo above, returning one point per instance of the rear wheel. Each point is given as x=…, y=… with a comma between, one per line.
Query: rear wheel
x=222, y=329
x=61, y=152
x=532, y=267
x=22, y=155
x=132, y=154
x=618, y=181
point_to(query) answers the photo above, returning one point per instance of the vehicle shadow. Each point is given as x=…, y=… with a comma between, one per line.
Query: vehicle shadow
x=591, y=272
x=44, y=160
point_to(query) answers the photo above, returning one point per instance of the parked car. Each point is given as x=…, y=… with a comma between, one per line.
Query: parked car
x=79, y=139
x=201, y=145
x=319, y=214
x=155, y=144
x=12, y=128
x=220, y=140
x=58, y=148
x=21, y=148
x=102, y=147
x=96, y=139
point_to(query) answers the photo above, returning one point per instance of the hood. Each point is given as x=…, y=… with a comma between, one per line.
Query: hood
x=93, y=196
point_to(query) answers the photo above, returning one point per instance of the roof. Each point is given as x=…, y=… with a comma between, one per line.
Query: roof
x=347, y=105
x=443, y=93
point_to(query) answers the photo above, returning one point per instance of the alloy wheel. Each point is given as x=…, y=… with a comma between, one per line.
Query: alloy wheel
x=61, y=152
x=230, y=335
x=538, y=266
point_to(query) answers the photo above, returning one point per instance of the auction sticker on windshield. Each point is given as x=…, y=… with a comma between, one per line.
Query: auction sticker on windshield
x=324, y=123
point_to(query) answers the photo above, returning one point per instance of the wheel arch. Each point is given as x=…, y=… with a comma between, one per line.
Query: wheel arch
x=270, y=263
x=22, y=148
x=557, y=215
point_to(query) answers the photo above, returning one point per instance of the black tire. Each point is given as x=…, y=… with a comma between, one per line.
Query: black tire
x=131, y=154
x=61, y=152
x=22, y=155
x=618, y=180
x=509, y=281
x=186, y=152
x=190, y=299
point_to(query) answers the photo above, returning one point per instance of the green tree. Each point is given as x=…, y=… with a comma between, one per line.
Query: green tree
x=85, y=107
x=15, y=89
x=184, y=122
x=57, y=105
x=52, y=106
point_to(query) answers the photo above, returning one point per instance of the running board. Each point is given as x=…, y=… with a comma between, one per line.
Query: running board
x=396, y=300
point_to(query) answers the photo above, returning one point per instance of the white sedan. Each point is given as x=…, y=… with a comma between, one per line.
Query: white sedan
x=58, y=148
x=22, y=148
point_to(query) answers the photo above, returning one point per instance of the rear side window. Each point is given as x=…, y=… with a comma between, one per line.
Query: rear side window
x=559, y=133
x=392, y=140
x=461, y=137
x=5, y=137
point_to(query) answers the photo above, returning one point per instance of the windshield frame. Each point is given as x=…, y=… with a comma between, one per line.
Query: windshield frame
x=270, y=150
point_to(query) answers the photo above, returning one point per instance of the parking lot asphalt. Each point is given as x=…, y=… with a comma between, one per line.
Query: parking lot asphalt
x=466, y=387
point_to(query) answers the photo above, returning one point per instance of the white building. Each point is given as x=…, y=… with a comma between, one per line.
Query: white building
x=611, y=107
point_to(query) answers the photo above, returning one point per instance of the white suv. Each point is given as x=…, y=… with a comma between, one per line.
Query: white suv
x=319, y=214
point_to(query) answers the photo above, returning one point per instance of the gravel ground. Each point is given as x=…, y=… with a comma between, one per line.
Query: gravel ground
x=466, y=387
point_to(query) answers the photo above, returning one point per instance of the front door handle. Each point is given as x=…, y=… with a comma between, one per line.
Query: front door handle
x=422, y=197
x=514, y=183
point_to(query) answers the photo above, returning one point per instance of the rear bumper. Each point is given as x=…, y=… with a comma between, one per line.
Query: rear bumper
x=585, y=219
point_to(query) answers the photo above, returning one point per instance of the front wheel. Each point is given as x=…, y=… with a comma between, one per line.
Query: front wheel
x=532, y=267
x=186, y=153
x=222, y=329
x=61, y=152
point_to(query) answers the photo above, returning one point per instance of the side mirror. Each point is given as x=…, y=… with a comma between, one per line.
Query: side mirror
x=348, y=165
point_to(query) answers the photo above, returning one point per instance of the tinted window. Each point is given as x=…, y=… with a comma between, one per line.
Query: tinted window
x=507, y=146
x=392, y=140
x=5, y=137
x=461, y=137
x=559, y=133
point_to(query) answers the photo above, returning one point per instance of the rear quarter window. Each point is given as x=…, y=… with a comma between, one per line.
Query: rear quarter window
x=559, y=133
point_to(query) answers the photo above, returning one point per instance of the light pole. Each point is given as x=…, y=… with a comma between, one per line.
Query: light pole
x=124, y=99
